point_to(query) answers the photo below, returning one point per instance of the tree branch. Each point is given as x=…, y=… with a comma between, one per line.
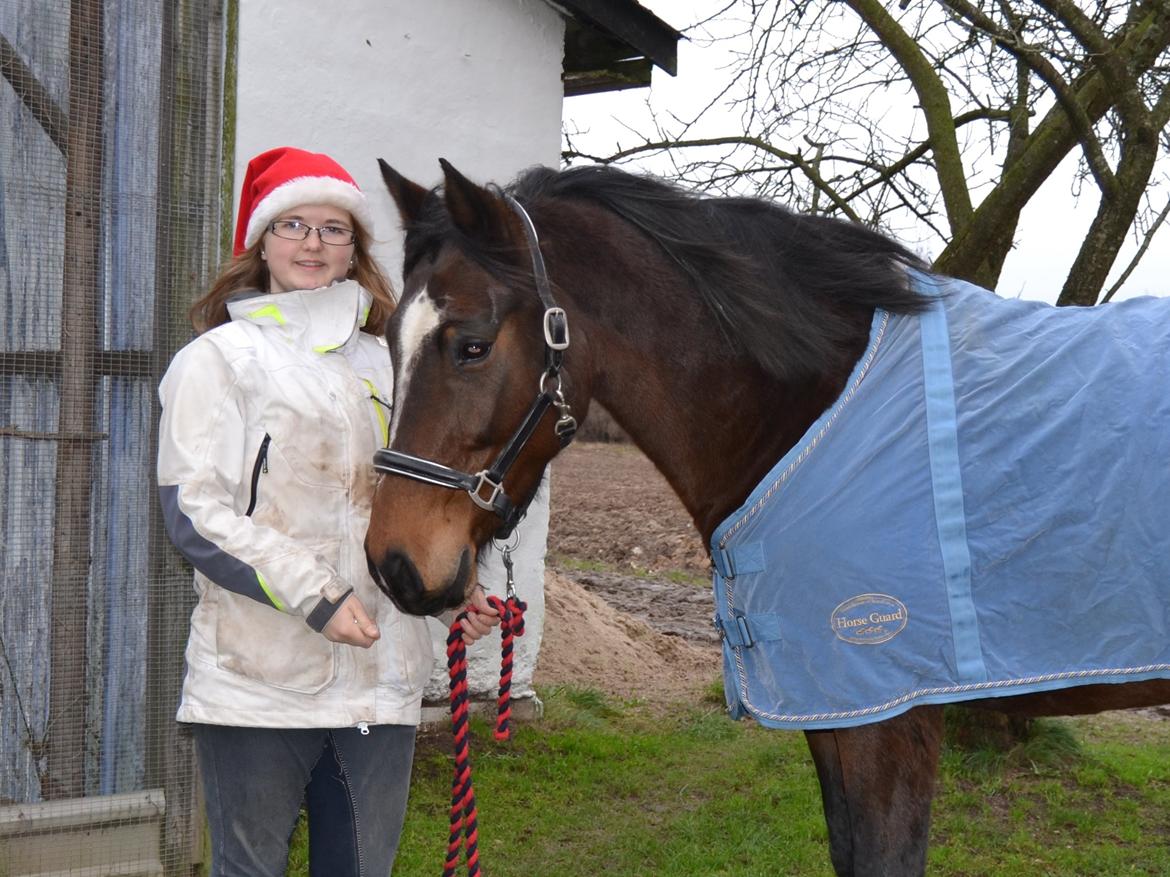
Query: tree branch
x=1137, y=257
x=1049, y=143
x=1088, y=35
x=891, y=171
x=1160, y=114
x=884, y=175
x=1094, y=154
x=794, y=158
x=936, y=108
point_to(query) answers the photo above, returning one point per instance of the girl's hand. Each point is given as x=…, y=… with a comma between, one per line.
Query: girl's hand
x=481, y=616
x=352, y=625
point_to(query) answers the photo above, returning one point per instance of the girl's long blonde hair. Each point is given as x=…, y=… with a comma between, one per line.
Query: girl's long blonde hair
x=249, y=271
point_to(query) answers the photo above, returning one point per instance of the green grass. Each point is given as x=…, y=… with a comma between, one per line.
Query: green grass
x=567, y=564
x=691, y=579
x=604, y=787
x=575, y=564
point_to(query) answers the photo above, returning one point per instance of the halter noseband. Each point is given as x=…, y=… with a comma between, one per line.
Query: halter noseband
x=486, y=487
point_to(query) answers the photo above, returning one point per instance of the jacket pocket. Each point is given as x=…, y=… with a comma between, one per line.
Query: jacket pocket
x=262, y=643
x=410, y=662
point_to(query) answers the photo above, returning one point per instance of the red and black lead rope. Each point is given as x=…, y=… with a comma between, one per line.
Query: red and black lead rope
x=464, y=818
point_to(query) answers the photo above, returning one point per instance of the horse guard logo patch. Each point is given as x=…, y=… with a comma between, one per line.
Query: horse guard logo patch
x=869, y=619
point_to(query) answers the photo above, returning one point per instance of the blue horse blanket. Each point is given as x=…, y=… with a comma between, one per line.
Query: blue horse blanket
x=983, y=512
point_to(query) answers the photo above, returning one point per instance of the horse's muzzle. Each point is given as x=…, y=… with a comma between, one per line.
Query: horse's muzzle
x=398, y=578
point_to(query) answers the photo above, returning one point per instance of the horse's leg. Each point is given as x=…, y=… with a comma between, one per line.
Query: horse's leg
x=877, y=782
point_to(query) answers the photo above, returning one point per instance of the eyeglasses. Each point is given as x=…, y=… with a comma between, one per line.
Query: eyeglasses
x=295, y=230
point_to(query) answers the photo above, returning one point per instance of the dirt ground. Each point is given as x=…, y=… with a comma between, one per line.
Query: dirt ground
x=628, y=603
x=611, y=505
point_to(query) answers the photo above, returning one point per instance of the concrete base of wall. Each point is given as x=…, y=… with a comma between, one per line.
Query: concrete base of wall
x=524, y=709
x=84, y=837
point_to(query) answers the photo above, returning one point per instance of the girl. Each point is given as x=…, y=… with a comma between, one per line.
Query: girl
x=303, y=683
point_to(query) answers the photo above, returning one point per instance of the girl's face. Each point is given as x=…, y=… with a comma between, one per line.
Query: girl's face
x=313, y=262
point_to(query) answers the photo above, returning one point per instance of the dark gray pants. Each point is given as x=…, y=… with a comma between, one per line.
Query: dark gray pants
x=353, y=785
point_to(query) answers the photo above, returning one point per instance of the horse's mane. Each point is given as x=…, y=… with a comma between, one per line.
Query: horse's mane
x=771, y=277
x=777, y=282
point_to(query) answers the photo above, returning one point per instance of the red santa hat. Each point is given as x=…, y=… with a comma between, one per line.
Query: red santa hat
x=287, y=177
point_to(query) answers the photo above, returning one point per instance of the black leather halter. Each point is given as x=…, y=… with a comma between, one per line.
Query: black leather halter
x=486, y=487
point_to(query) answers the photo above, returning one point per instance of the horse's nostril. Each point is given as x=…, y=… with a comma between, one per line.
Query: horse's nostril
x=394, y=566
x=399, y=579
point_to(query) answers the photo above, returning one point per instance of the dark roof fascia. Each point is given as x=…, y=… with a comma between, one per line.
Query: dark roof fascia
x=613, y=44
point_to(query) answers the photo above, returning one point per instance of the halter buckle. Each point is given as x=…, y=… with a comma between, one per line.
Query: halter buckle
x=556, y=329
x=489, y=504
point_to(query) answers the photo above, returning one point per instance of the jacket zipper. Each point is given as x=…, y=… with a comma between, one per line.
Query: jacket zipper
x=383, y=423
x=261, y=465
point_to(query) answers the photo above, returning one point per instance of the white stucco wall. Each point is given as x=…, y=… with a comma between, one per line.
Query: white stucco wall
x=474, y=81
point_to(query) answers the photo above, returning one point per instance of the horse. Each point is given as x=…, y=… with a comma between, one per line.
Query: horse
x=717, y=332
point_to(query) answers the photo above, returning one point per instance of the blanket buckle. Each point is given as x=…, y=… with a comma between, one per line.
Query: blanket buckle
x=734, y=631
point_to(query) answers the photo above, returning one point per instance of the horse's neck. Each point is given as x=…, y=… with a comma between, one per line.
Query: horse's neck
x=713, y=426
x=714, y=423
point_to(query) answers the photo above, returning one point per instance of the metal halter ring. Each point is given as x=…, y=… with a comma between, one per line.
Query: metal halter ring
x=512, y=543
x=544, y=377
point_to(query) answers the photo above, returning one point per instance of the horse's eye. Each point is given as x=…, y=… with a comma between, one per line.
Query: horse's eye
x=473, y=351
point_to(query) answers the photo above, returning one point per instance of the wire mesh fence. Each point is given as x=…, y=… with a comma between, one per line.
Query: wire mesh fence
x=110, y=144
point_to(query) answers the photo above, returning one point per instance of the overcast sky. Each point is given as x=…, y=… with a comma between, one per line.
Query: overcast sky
x=1051, y=227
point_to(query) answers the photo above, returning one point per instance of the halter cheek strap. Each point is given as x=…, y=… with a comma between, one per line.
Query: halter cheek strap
x=486, y=487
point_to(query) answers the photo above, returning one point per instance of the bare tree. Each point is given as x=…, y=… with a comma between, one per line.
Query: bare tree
x=941, y=119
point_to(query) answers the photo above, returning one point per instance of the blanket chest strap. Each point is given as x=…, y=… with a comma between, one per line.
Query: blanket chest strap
x=744, y=631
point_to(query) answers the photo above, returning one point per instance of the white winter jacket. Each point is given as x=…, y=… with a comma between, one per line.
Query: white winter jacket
x=269, y=427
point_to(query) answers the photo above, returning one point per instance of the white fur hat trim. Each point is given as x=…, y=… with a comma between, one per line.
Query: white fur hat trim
x=304, y=191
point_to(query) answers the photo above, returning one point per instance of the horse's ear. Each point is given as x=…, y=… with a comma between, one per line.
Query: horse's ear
x=477, y=212
x=408, y=195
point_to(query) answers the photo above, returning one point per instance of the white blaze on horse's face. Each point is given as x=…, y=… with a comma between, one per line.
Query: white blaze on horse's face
x=420, y=321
